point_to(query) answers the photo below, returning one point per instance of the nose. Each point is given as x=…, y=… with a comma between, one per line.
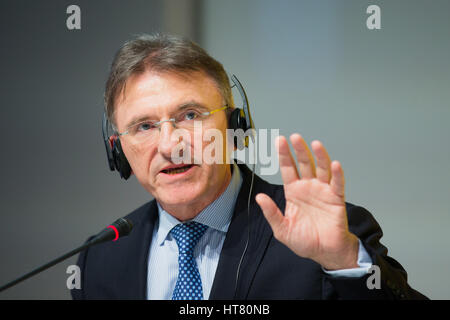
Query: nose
x=167, y=140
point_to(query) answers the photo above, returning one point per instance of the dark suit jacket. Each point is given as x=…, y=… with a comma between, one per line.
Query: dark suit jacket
x=269, y=270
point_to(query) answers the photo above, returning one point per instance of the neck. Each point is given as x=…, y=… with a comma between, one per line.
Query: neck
x=189, y=211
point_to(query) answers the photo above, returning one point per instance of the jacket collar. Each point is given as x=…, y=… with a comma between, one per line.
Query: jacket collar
x=246, y=226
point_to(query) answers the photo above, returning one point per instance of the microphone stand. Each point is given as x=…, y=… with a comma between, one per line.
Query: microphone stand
x=46, y=266
x=121, y=227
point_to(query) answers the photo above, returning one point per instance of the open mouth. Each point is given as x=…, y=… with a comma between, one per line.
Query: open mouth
x=177, y=170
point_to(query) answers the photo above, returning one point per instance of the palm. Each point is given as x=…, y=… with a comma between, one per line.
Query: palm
x=313, y=218
x=314, y=224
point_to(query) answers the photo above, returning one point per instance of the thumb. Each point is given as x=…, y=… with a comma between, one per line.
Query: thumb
x=273, y=215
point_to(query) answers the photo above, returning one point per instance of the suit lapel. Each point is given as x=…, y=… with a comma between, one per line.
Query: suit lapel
x=235, y=242
x=137, y=262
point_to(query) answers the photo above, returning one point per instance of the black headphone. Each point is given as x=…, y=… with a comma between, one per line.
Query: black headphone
x=240, y=118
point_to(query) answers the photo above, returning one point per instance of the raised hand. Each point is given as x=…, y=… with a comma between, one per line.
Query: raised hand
x=314, y=224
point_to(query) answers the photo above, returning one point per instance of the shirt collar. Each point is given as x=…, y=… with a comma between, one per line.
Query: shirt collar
x=217, y=215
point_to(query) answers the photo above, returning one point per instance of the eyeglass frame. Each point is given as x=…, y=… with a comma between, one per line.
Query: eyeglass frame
x=173, y=120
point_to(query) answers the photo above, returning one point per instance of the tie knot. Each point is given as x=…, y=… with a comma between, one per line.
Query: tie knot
x=187, y=235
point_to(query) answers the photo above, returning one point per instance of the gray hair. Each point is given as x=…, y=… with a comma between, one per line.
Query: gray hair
x=161, y=53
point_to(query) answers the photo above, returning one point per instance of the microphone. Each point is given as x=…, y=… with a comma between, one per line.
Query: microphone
x=120, y=228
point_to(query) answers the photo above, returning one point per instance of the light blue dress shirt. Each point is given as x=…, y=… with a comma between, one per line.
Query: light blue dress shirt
x=162, y=271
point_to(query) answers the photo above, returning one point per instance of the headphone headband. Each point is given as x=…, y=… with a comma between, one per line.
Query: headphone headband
x=248, y=117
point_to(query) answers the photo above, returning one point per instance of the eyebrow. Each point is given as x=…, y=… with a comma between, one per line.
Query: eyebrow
x=181, y=107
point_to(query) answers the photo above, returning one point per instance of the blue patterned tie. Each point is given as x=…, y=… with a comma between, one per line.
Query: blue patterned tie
x=189, y=284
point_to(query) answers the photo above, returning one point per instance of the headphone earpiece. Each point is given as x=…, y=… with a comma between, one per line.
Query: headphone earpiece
x=120, y=160
x=116, y=157
x=238, y=121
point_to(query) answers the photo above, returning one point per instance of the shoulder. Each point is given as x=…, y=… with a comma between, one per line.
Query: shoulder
x=142, y=219
x=144, y=214
x=275, y=191
x=114, y=269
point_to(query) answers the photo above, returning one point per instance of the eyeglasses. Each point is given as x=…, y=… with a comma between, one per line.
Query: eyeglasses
x=145, y=130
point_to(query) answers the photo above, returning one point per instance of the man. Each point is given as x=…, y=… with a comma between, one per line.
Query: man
x=201, y=238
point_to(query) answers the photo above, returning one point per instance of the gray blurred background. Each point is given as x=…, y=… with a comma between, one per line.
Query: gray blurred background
x=377, y=99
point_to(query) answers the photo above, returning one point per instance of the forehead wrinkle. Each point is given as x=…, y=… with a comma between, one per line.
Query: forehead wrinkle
x=142, y=89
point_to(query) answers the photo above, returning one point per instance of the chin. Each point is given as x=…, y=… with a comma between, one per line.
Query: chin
x=180, y=195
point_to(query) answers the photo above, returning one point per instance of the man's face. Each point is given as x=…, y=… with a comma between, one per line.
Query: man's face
x=159, y=96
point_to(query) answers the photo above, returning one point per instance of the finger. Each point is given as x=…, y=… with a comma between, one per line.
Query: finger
x=323, y=169
x=288, y=168
x=337, y=179
x=304, y=157
x=273, y=215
